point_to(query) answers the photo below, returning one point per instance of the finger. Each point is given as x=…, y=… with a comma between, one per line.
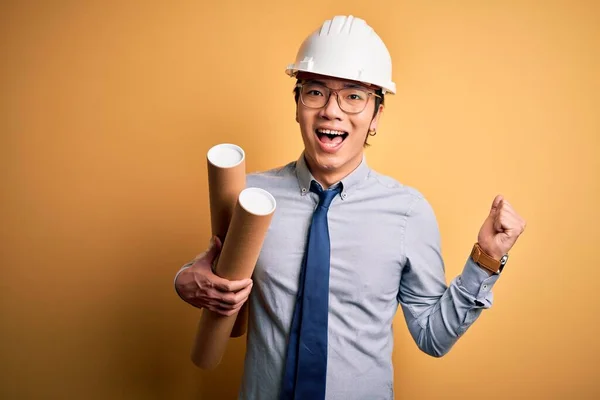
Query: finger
x=222, y=305
x=217, y=305
x=508, y=209
x=243, y=294
x=510, y=223
x=496, y=204
x=222, y=311
x=498, y=224
x=514, y=215
x=214, y=249
x=226, y=299
x=228, y=307
x=507, y=206
x=229, y=313
x=201, y=255
x=240, y=304
x=232, y=298
x=214, y=309
x=217, y=241
x=225, y=285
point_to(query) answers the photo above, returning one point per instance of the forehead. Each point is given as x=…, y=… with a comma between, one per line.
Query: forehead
x=332, y=82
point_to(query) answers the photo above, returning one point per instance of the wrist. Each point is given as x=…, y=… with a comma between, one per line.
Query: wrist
x=490, y=250
x=490, y=262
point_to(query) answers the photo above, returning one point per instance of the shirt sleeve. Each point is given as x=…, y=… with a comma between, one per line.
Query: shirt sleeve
x=177, y=274
x=437, y=314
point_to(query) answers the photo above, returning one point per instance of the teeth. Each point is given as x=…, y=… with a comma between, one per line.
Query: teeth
x=330, y=132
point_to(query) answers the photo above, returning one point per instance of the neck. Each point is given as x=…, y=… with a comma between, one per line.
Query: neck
x=328, y=177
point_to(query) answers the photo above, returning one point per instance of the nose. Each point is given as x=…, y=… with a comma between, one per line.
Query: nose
x=332, y=109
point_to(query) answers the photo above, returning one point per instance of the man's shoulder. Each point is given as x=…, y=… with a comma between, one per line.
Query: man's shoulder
x=410, y=200
x=394, y=186
x=276, y=174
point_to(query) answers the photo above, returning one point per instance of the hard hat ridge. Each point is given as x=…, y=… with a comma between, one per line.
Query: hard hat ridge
x=346, y=47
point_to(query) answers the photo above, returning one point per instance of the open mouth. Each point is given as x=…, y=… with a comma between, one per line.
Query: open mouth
x=330, y=137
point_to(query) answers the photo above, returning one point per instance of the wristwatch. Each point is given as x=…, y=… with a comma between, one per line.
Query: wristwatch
x=486, y=261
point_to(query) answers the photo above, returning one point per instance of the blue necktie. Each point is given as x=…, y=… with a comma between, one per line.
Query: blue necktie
x=306, y=363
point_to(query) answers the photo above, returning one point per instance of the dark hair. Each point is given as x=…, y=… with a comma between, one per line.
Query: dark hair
x=378, y=102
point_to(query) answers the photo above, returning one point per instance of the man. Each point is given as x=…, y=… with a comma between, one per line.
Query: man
x=346, y=244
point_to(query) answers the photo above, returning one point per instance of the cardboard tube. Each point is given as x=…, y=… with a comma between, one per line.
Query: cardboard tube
x=249, y=224
x=241, y=322
x=226, y=180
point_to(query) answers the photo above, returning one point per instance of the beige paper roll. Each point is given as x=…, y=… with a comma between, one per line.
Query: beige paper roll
x=249, y=224
x=226, y=180
x=241, y=322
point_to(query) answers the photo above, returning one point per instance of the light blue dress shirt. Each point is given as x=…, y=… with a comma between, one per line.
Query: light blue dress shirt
x=385, y=252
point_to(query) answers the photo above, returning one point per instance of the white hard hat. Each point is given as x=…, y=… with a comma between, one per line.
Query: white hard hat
x=346, y=47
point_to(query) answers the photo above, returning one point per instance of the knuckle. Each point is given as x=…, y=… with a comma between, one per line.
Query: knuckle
x=238, y=297
x=222, y=286
x=226, y=299
x=212, y=296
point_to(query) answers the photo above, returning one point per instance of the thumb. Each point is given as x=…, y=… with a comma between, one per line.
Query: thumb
x=212, y=252
x=496, y=205
x=214, y=249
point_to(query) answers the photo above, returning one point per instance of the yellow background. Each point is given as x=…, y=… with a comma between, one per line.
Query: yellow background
x=107, y=111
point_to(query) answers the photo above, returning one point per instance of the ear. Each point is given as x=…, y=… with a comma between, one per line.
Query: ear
x=375, y=120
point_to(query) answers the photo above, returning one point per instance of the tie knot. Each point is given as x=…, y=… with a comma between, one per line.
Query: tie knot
x=325, y=196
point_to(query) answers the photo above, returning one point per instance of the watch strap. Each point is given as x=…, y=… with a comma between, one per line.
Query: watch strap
x=486, y=261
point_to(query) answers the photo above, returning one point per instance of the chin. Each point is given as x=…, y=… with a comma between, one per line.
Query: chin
x=331, y=159
x=326, y=161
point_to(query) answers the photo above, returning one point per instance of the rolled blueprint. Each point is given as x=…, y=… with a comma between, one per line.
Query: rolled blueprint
x=249, y=224
x=226, y=180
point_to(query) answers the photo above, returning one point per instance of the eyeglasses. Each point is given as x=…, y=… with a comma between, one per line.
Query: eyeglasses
x=351, y=100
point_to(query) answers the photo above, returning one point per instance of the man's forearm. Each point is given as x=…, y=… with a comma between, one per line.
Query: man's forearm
x=437, y=326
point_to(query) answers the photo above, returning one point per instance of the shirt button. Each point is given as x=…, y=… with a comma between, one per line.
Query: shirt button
x=484, y=287
x=344, y=195
x=303, y=190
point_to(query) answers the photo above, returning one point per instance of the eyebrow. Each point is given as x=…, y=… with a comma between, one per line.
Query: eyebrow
x=346, y=85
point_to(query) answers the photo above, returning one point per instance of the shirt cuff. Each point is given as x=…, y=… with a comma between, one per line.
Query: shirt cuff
x=177, y=274
x=476, y=281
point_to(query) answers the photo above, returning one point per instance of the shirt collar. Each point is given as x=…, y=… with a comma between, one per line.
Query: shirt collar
x=349, y=182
